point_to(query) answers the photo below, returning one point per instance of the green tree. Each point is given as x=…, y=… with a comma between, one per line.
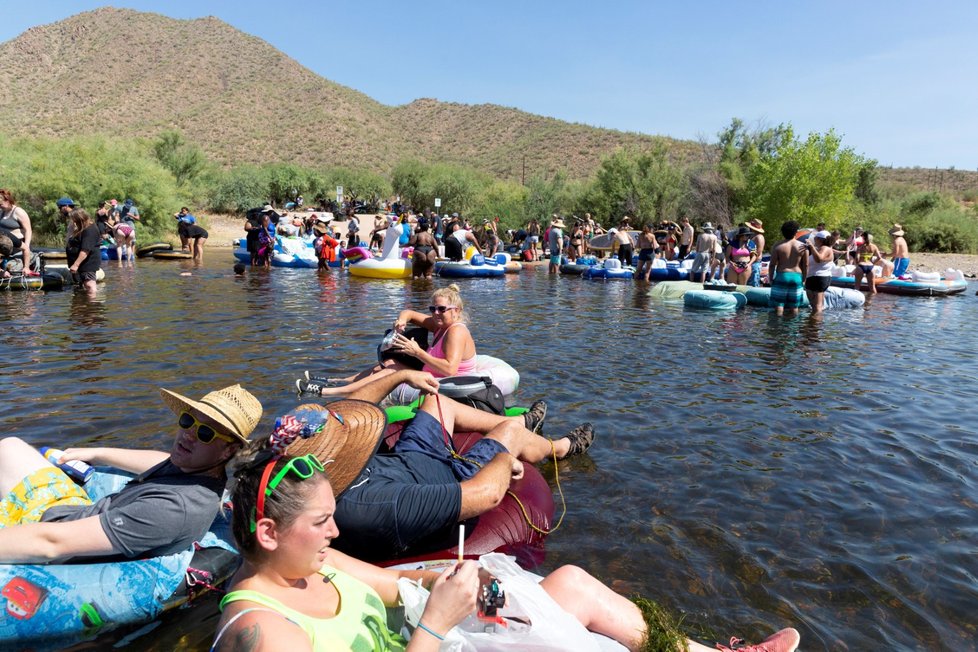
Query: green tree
x=865, y=190
x=645, y=185
x=407, y=180
x=285, y=181
x=457, y=187
x=239, y=189
x=808, y=181
x=184, y=160
x=357, y=185
x=543, y=197
x=503, y=199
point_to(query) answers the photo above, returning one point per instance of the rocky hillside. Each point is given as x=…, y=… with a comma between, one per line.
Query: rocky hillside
x=128, y=73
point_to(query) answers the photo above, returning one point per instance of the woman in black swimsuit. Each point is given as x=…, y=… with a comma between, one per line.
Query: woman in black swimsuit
x=425, y=252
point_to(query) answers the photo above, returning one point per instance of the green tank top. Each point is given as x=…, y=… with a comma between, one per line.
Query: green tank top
x=359, y=626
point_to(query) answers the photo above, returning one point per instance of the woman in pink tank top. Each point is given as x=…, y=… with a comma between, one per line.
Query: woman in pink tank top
x=452, y=350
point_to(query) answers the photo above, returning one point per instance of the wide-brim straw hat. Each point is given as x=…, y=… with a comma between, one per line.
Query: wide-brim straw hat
x=232, y=408
x=344, y=445
x=319, y=228
x=896, y=231
x=708, y=226
x=559, y=223
x=755, y=226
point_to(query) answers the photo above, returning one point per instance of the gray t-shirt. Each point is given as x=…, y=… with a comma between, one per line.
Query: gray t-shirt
x=161, y=512
x=556, y=240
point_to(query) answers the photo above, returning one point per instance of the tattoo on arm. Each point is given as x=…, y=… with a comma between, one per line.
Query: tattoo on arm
x=248, y=639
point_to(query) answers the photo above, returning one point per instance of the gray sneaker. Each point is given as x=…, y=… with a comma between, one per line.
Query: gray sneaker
x=533, y=418
x=305, y=387
x=580, y=438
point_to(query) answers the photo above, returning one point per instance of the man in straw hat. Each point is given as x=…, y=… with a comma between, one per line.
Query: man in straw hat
x=900, y=254
x=325, y=244
x=756, y=247
x=46, y=517
x=555, y=240
x=411, y=500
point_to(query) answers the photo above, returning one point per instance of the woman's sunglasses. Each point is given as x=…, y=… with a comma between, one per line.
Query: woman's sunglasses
x=440, y=310
x=303, y=467
x=205, y=433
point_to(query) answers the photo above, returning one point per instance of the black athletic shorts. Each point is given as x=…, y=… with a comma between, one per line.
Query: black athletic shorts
x=818, y=283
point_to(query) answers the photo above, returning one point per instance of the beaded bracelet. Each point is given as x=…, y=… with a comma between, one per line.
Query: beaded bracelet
x=421, y=625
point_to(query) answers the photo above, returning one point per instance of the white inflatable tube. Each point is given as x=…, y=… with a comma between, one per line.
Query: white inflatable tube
x=503, y=376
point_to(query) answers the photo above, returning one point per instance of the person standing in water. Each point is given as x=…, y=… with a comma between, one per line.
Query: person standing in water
x=788, y=268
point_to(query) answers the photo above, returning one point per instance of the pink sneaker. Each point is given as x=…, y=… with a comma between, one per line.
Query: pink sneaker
x=784, y=641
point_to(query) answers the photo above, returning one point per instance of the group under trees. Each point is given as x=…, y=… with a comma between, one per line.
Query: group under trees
x=90, y=170
x=749, y=171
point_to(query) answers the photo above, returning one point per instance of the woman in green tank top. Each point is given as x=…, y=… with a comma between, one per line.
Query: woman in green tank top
x=293, y=592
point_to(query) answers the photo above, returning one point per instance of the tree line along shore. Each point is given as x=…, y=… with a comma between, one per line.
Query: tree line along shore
x=767, y=173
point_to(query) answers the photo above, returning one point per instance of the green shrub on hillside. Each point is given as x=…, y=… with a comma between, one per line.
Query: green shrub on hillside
x=922, y=203
x=947, y=230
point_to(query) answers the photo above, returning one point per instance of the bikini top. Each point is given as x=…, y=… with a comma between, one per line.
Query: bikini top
x=742, y=252
x=436, y=350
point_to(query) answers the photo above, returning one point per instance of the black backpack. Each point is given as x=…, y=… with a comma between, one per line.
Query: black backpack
x=475, y=391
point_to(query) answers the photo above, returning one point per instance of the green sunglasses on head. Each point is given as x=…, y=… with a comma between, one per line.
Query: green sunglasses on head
x=304, y=467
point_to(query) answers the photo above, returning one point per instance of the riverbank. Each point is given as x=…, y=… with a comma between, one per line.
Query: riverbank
x=226, y=229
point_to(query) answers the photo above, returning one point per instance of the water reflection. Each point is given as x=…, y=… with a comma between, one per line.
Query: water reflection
x=740, y=474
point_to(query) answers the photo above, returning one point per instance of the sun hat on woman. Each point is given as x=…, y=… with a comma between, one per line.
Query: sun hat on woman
x=343, y=435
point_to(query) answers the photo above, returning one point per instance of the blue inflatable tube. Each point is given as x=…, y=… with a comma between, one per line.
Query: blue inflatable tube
x=714, y=300
x=466, y=270
x=669, y=273
x=50, y=606
x=601, y=273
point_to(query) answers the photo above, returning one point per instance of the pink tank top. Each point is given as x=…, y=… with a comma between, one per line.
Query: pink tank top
x=465, y=367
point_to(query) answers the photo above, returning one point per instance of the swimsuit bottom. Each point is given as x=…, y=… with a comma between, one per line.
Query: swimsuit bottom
x=739, y=266
x=423, y=249
x=866, y=267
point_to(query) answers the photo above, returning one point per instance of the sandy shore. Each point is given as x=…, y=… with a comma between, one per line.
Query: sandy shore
x=226, y=229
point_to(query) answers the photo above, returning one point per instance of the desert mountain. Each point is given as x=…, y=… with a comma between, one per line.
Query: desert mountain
x=128, y=73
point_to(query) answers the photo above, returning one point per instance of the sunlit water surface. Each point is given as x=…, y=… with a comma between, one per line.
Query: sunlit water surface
x=750, y=472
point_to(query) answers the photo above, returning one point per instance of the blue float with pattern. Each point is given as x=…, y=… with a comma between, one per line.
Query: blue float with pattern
x=50, y=606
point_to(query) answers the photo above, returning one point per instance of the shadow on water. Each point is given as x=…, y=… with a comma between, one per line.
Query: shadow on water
x=750, y=471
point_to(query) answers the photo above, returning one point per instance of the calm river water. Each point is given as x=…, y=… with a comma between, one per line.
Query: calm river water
x=750, y=472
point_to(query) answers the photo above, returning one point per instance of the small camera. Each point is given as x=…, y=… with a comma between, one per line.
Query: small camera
x=492, y=598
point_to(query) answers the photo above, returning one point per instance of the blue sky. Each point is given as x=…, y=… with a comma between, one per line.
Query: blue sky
x=898, y=79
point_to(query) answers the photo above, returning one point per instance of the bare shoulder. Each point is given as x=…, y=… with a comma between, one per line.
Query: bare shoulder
x=259, y=629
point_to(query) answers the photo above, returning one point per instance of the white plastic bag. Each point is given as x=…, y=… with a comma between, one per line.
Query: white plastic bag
x=551, y=628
